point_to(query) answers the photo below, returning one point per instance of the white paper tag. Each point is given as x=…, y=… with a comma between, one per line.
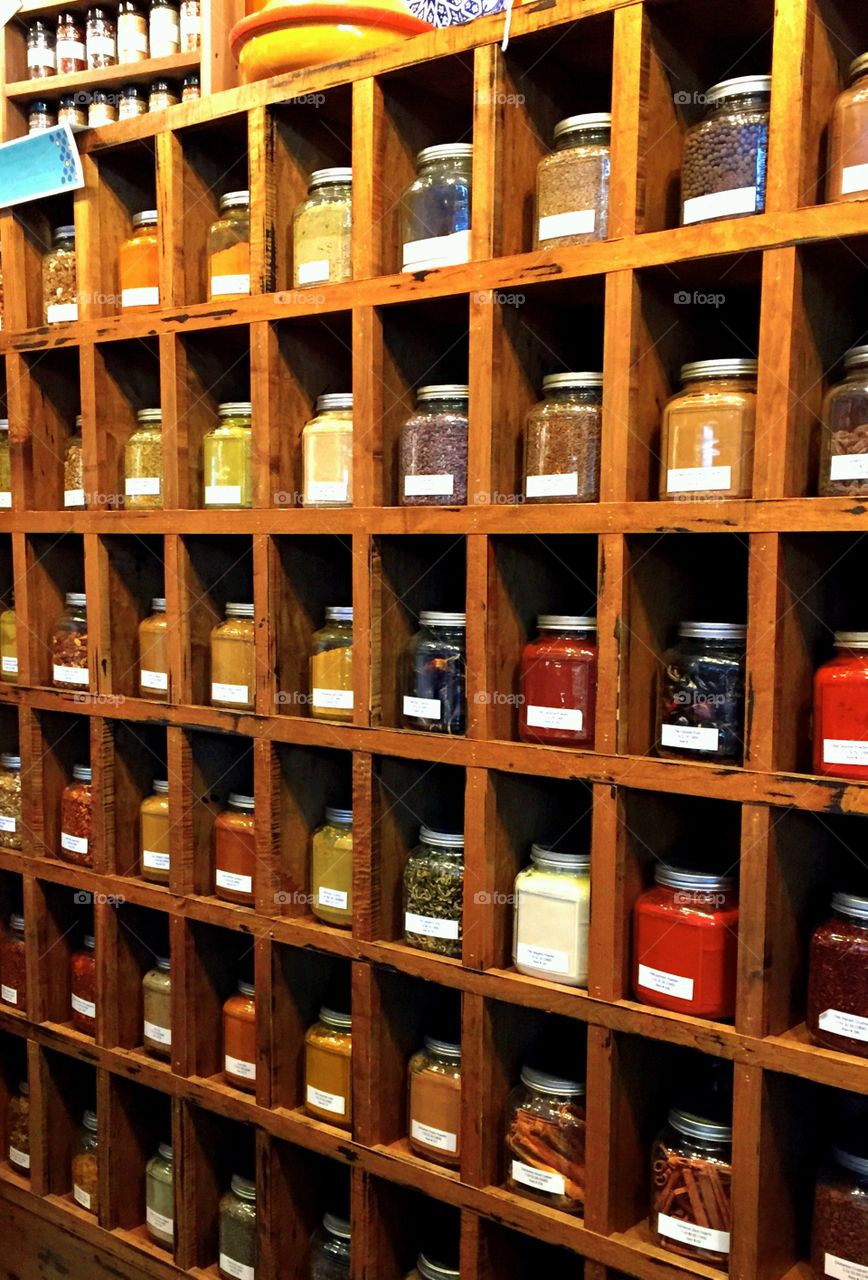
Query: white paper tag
x=156, y=861
x=720, y=204
x=563, y=485
x=73, y=497
x=73, y=844
x=842, y=1268
x=332, y=898
x=422, y=708
x=576, y=222
x=327, y=491
x=230, y=880
x=7, y=824
x=9, y=995
x=81, y=1196
x=854, y=177
x=235, y=693
x=313, y=272
x=555, y=718
x=61, y=313
x=221, y=285
x=332, y=1102
x=429, y=486
x=238, y=1067
x=70, y=49
x=844, y=751
x=41, y=57
x=698, y=479
x=9, y=665
x=538, y=1179
x=668, y=984
x=6, y=498
x=72, y=675
x=141, y=486
x=145, y=297
x=222, y=495
x=441, y=1139
x=334, y=699
x=843, y=1024
x=238, y=1269
x=437, y=251
x=848, y=466
x=131, y=41
x=689, y=737
x=159, y=1221
x=430, y=926
x=99, y=46
x=690, y=1233
x=86, y=1008
x=154, y=679
x=19, y=1158
x=159, y=1035
x=540, y=958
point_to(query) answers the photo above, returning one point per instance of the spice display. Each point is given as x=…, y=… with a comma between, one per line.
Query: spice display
x=685, y=942
x=545, y=1140
x=157, y=998
x=837, y=1014
x=139, y=265
x=229, y=248
x=558, y=682
x=160, y=1197
x=83, y=965
x=13, y=967
x=427, y=1269
x=101, y=110
x=59, y=279
x=101, y=39
x=707, y=434
x=191, y=90
x=701, y=693
x=133, y=45
x=190, y=25
x=552, y=916
x=164, y=29
x=5, y=465
x=41, y=51
x=562, y=440
x=10, y=801
x=434, y=893
x=85, y=1165
x=332, y=868
x=73, y=469
x=435, y=209
x=40, y=116
x=322, y=230
x=331, y=666
x=235, y=851
x=841, y=709
x=153, y=653
x=69, y=645
x=237, y=1230
x=328, y=1093
x=162, y=94
x=847, y=176
x=154, y=837
x=233, y=659
x=691, y=1212
x=71, y=111
x=434, y=1102
x=239, y=1037
x=432, y=468
x=330, y=1250
x=723, y=168
x=572, y=184
x=844, y=430
x=18, y=1130
x=327, y=453
x=435, y=697
x=226, y=457
x=143, y=462
x=131, y=102
x=76, y=807
x=839, y=1233
x=69, y=47
x=8, y=647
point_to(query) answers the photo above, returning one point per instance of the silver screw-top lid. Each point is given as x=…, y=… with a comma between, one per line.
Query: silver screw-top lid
x=337, y=1226
x=4, y=424
x=697, y=1127
x=848, y=904
x=337, y=175
x=344, y=817
x=565, y=622
x=445, y=151
x=165, y=1150
x=444, y=1048
x=66, y=232
x=241, y=802
x=82, y=773
x=739, y=87
x=339, y=613
x=431, y=1270
x=24, y=1088
x=336, y=1019
x=76, y=599
x=89, y=942
x=334, y=400
x=10, y=762
x=437, y=618
x=78, y=422
x=712, y=630
x=234, y=609
x=443, y=391
x=16, y=921
x=718, y=369
x=545, y=1083
x=245, y=988
x=235, y=409
x=89, y=1121
x=147, y=217
x=448, y=839
x=851, y=639
x=545, y=855
x=158, y=604
x=700, y=882
x=591, y=122
x=858, y=66
x=856, y=356
x=243, y=1187
x=552, y=381
x=235, y=200
x=164, y=964
x=145, y=416
x=847, y=1160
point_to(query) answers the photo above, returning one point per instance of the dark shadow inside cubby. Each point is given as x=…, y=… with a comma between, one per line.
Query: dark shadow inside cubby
x=141, y=1121
x=219, y=764
x=302, y=982
x=7, y=591
x=38, y=220
x=64, y=741
x=405, y=1223
x=304, y=1186
x=219, y=570
x=9, y=738
x=215, y=1149
x=215, y=162
x=13, y=1072
x=310, y=573
x=127, y=185
x=308, y=779
x=218, y=959
x=141, y=938
x=64, y=916
x=213, y=368
x=140, y=757
x=511, y=1255
x=12, y=997
x=69, y=1088
x=135, y=576
x=128, y=377
x=52, y=399
x=55, y=566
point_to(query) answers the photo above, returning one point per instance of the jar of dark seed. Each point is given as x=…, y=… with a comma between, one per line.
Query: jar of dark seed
x=432, y=471
x=847, y=178
x=572, y=184
x=844, y=431
x=723, y=170
x=562, y=440
x=837, y=1015
x=701, y=693
x=839, y=1236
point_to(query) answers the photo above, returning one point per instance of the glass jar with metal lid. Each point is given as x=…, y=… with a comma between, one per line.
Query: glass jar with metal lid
x=322, y=229
x=435, y=209
x=153, y=653
x=132, y=102
x=83, y=984
x=101, y=39
x=723, y=167
x=558, y=682
x=552, y=916
x=327, y=453
x=191, y=90
x=133, y=44
x=229, y=248
x=328, y=1077
x=707, y=433
x=154, y=835
x=331, y=666
x=60, y=278
x=237, y=1230
x=839, y=1232
x=157, y=999
x=5, y=466
x=8, y=646
x=427, y=1269
x=191, y=25
x=844, y=430
x=691, y=1172
x=432, y=466
x=434, y=892
x=840, y=722
x=233, y=659
x=76, y=818
x=102, y=109
x=226, y=458
x=13, y=965
x=139, y=264
x=71, y=111
x=40, y=116
x=239, y=1037
x=332, y=868
x=562, y=440
x=701, y=693
x=847, y=176
x=572, y=184
x=164, y=29
x=41, y=51
x=143, y=462
x=545, y=1140
x=434, y=1102
x=162, y=94
x=10, y=801
x=235, y=851
x=18, y=1130
x=330, y=1250
x=69, y=645
x=160, y=1196
x=73, y=469
x=837, y=1012
x=69, y=47
x=435, y=694
x=85, y=1165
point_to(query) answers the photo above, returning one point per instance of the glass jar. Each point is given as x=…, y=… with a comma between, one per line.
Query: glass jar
x=157, y=1021
x=18, y=1130
x=76, y=808
x=40, y=116
x=8, y=646
x=322, y=230
x=41, y=51
x=164, y=29
x=133, y=43
x=844, y=431
x=327, y=454
x=847, y=176
x=10, y=799
x=332, y=868
x=840, y=722
x=330, y=1250
x=707, y=433
x=328, y=1044
x=427, y=1269
x=132, y=102
x=5, y=466
x=153, y=653
x=562, y=440
x=837, y=1014
x=139, y=264
x=59, y=279
x=71, y=55
x=331, y=666
x=434, y=1102
x=545, y=1140
x=839, y=1232
x=229, y=248
x=432, y=467
x=723, y=167
x=552, y=916
x=101, y=110
x=85, y=1165
x=160, y=1197
x=83, y=1001
x=101, y=39
x=235, y=851
x=572, y=184
x=435, y=697
x=685, y=943
x=190, y=26
x=435, y=209
x=238, y=1250
x=239, y=1038
x=691, y=1172
x=233, y=659
x=162, y=94
x=226, y=457
x=434, y=893
x=73, y=469
x=155, y=828
x=190, y=89
x=13, y=965
x=143, y=462
x=558, y=683
x=69, y=645
x=71, y=111
x=701, y=693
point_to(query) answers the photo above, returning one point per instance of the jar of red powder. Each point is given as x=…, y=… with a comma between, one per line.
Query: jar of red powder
x=13, y=968
x=84, y=988
x=841, y=709
x=837, y=1015
x=685, y=943
x=235, y=851
x=558, y=682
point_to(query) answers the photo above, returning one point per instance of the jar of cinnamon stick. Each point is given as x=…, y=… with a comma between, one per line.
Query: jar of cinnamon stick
x=691, y=1169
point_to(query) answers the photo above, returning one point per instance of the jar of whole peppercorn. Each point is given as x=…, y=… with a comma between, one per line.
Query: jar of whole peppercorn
x=839, y=1234
x=10, y=801
x=723, y=169
x=701, y=696
x=837, y=1015
x=562, y=440
x=84, y=987
x=558, y=683
x=18, y=1130
x=69, y=645
x=13, y=968
x=432, y=470
x=75, y=818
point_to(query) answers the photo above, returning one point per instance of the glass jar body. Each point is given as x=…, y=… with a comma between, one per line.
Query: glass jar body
x=160, y=1200
x=332, y=873
x=84, y=991
x=327, y=459
x=435, y=215
x=432, y=464
x=60, y=282
x=229, y=254
x=322, y=236
x=847, y=178
x=101, y=41
x=5, y=471
x=76, y=805
x=558, y=689
x=435, y=694
x=329, y=1256
x=69, y=650
x=164, y=29
x=239, y=1042
x=8, y=647
x=235, y=856
x=233, y=664
x=841, y=715
x=143, y=469
x=133, y=45
x=331, y=673
x=551, y=923
x=562, y=446
x=69, y=46
x=139, y=270
x=85, y=1171
x=679, y=1162
x=41, y=51
x=73, y=472
x=707, y=439
x=839, y=1232
x=434, y=899
x=237, y=1231
x=154, y=838
x=157, y=999
x=723, y=168
x=545, y=1147
x=190, y=26
x=701, y=700
x=18, y=1133
x=10, y=808
x=13, y=970
x=572, y=191
x=844, y=437
x=154, y=657
x=685, y=950
x=837, y=1010
x=434, y=1107
x=227, y=452
x=328, y=1094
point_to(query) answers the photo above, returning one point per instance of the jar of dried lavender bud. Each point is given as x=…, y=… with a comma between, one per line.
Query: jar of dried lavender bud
x=562, y=440
x=432, y=471
x=572, y=184
x=839, y=1236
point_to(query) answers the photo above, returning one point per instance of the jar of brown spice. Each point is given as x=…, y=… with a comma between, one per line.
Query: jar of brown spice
x=434, y=1104
x=235, y=851
x=839, y=1235
x=75, y=818
x=707, y=432
x=562, y=440
x=572, y=184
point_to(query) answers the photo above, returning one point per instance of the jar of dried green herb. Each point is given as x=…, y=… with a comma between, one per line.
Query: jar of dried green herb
x=143, y=462
x=572, y=184
x=432, y=471
x=238, y=1230
x=5, y=466
x=434, y=892
x=562, y=440
x=160, y=1196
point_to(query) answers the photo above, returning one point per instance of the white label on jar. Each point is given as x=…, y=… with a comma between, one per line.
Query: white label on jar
x=7, y=824
x=844, y=751
x=326, y=491
x=231, y=880
x=220, y=495
x=540, y=958
x=10, y=665
x=337, y=699
x=429, y=486
x=690, y=1233
x=539, y=1179
x=74, y=844
x=326, y=1101
x=688, y=737
x=720, y=204
x=668, y=984
x=101, y=46
x=229, y=693
x=844, y=1024
x=165, y=31
x=9, y=995
x=437, y=251
x=842, y=1268
x=313, y=272
x=439, y=1138
x=191, y=28
x=137, y=486
x=147, y=296
x=221, y=285
x=86, y=1008
x=154, y=679
x=156, y=861
x=42, y=57
x=848, y=466
x=563, y=485
x=576, y=222
x=70, y=49
x=159, y=1222
x=238, y=1067
x=5, y=497
x=555, y=718
x=80, y=1196
x=698, y=479
x=73, y=497
x=71, y=675
x=61, y=312
x=238, y=1269
x=332, y=898
x=19, y=1158
x=430, y=926
x=422, y=708
x=132, y=39
x=159, y=1035
x=854, y=177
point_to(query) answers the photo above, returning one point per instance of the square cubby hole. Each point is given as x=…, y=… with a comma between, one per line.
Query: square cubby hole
x=51, y=392
x=126, y=185
x=140, y=758
x=405, y=1223
x=15, y=996
x=68, y=1089
x=304, y=1186
x=137, y=937
x=216, y=571
x=511, y=1255
x=61, y=742
x=216, y=961
x=128, y=379
x=14, y=1071
x=309, y=572
x=213, y=368
x=214, y=163
x=303, y=981
x=37, y=221
x=215, y=1150
x=217, y=765
x=64, y=917
x=136, y=575
x=55, y=566
x=140, y=1122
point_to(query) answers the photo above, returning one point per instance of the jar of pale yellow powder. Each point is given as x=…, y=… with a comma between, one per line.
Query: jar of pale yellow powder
x=552, y=916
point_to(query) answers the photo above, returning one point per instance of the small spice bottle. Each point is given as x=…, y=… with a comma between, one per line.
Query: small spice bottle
x=432, y=466
x=162, y=94
x=76, y=807
x=558, y=683
x=18, y=1130
x=132, y=102
x=552, y=916
x=435, y=209
x=155, y=837
x=41, y=51
x=190, y=89
x=847, y=177
x=330, y=1249
x=102, y=109
x=235, y=851
x=723, y=167
x=83, y=966
x=331, y=666
x=701, y=693
x=322, y=230
x=434, y=892
x=73, y=469
x=572, y=184
x=237, y=1231
x=13, y=965
x=10, y=801
x=837, y=1014
x=160, y=1197
x=844, y=430
x=227, y=450
x=139, y=265
x=233, y=659
x=691, y=1171
x=133, y=45
x=839, y=1233
x=153, y=653
x=59, y=278
x=841, y=709
x=562, y=440
x=164, y=29
x=434, y=1102
x=40, y=116
x=229, y=248
x=239, y=1038
x=327, y=454
x=328, y=1094
x=69, y=645
x=545, y=1140
x=8, y=646
x=707, y=434
x=190, y=26
x=5, y=466
x=101, y=39
x=685, y=943
x=69, y=47
x=85, y=1165
x=157, y=998
x=71, y=111
x=143, y=462
x=427, y=1269
x=332, y=868
x=435, y=697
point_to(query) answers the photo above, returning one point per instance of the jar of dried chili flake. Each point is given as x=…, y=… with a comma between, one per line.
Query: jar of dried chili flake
x=84, y=987
x=76, y=807
x=69, y=645
x=558, y=683
x=837, y=1014
x=839, y=1236
x=841, y=709
x=13, y=969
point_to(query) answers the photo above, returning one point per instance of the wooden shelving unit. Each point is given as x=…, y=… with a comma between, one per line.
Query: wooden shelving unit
x=791, y=290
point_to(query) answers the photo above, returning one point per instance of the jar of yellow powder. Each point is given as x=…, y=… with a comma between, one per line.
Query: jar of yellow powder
x=331, y=666
x=327, y=454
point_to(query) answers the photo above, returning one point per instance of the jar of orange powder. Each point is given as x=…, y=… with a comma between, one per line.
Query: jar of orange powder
x=139, y=265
